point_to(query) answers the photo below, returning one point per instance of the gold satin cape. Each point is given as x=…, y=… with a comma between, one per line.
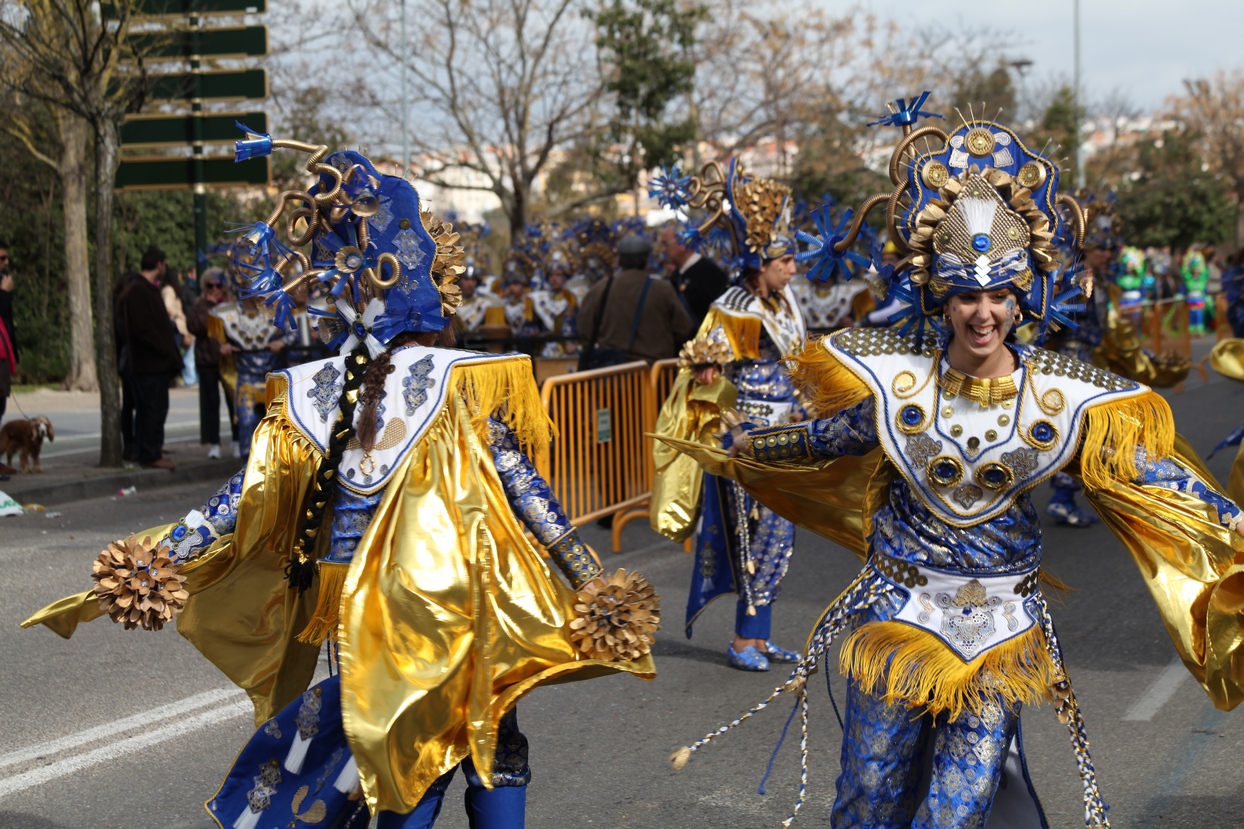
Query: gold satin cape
x=448, y=615
x=1192, y=565
x=1227, y=358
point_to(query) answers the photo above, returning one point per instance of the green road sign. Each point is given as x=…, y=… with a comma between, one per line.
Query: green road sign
x=164, y=173
x=228, y=42
x=174, y=130
x=242, y=85
x=185, y=8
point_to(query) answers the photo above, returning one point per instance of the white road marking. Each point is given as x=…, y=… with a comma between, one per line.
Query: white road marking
x=130, y=745
x=93, y=735
x=1158, y=693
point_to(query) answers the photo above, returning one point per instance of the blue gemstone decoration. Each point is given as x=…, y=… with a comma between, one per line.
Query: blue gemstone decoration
x=360, y=331
x=1043, y=432
x=994, y=475
x=945, y=470
x=178, y=533
x=981, y=243
x=912, y=415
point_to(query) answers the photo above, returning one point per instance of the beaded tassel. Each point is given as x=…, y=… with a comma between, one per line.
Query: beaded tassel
x=859, y=596
x=1068, y=711
x=743, y=528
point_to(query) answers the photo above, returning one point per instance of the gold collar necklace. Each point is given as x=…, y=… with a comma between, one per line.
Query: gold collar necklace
x=987, y=391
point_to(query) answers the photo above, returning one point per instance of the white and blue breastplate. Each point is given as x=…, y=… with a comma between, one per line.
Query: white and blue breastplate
x=415, y=392
x=965, y=461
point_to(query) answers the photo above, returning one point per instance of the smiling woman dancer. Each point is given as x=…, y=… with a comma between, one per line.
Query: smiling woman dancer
x=931, y=437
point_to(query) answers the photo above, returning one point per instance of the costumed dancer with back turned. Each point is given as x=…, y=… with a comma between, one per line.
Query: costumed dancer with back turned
x=384, y=509
x=931, y=436
x=735, y=362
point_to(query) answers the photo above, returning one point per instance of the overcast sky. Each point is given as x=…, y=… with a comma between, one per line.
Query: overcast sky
x=1142, y=48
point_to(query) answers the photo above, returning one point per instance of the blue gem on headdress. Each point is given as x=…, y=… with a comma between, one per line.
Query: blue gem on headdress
x=981, y=243
x=1043, y=432
x=360, y=330
x=912, y=415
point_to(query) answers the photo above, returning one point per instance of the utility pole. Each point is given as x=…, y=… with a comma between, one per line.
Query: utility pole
x=405, y=101
x=199, y=180
x=1078, y=98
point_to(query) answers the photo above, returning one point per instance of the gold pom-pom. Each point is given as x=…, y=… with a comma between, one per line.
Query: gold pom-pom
x=138, y=585
x=712, y=349
x=679, y=758
x=616, y=619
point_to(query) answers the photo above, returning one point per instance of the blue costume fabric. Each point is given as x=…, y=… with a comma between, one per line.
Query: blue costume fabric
x=262, y=784
x=735, y=528
x=888, y=754
x=253, y=368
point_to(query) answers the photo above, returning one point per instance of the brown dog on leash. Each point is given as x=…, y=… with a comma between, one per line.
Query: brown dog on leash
x=25, y=437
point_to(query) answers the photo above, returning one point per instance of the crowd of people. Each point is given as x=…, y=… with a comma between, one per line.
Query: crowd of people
x=390, y=517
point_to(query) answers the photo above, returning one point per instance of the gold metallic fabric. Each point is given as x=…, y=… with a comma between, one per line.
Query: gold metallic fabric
x=1122, y=353
x=833, y=497
x=692, y=412
x=1194, y=569
x=448, y=617
x=1227, y=358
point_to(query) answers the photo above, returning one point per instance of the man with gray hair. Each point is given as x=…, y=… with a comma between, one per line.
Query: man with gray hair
x=631, y=315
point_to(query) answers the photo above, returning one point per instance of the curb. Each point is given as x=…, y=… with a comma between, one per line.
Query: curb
x=99, y=486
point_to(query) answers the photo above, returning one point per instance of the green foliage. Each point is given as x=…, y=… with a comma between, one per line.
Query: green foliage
x=985, y=92
x=645, y=44
x=829, y=163
x=165, y=219
x=1174, y=201
x=32, y=223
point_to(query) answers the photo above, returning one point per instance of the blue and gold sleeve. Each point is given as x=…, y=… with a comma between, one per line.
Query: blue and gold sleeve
x=1168, y=474
x=203, y=526
x=850, y=432
x=536, y=506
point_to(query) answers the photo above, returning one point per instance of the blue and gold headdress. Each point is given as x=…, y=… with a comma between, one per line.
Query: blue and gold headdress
x=387, y=265
x=748, y=218
x=977, y=210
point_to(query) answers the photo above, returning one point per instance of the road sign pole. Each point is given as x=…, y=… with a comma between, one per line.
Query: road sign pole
x=199, y=185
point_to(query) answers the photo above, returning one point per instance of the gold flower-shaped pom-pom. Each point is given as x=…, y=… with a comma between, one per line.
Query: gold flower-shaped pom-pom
x=616, y=619
x=138, y=585
x=707, y=350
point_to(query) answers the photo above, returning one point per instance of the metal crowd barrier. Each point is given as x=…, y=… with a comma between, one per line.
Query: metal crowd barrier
x=600, y=463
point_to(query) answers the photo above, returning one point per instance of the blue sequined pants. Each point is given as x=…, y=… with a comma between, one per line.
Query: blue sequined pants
x=883, y=758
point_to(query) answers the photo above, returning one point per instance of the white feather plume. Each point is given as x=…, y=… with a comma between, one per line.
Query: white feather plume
x=978, y=214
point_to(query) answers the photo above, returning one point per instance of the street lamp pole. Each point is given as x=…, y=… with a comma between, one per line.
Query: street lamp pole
x=405, y=101
x=1077, y=98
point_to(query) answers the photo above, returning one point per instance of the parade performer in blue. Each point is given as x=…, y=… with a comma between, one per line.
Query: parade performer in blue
x=735, y=362
x=250, y=348
x=929, y=439
x=384, y=510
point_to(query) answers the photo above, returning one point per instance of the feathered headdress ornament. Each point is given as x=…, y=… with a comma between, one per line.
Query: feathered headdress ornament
x=745, y=218
x=976, y=210
x=595, y=248
x=387, y=265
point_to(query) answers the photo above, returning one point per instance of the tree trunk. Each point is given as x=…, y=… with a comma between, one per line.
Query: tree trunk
x=107, y=138
x=73, y=172
x=518, y=215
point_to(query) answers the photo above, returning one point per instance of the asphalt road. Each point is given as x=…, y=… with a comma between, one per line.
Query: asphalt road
x=131, y=729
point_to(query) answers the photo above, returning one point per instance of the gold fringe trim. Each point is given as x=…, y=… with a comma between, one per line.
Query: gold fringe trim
x=824, y=382
x=506, y=390
x=743, y=333
x=1114, y=430
x=326, y=615
x=904, y=664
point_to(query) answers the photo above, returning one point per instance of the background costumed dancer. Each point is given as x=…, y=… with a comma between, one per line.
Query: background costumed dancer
x=383, y=509
x=735, y=362
x=931, y=436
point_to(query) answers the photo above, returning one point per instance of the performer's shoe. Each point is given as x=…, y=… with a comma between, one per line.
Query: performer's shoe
x=1070, y=514
x=776, y=654
x=749, y=659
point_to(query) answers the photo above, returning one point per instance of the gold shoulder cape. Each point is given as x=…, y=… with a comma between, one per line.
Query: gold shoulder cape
x=448, y=614
x=1192, y=565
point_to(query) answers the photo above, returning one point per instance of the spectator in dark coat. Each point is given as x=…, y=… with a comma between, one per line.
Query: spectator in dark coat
x=207, y=361
x=151, y=346
x=663, y=323
x=697, y=279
